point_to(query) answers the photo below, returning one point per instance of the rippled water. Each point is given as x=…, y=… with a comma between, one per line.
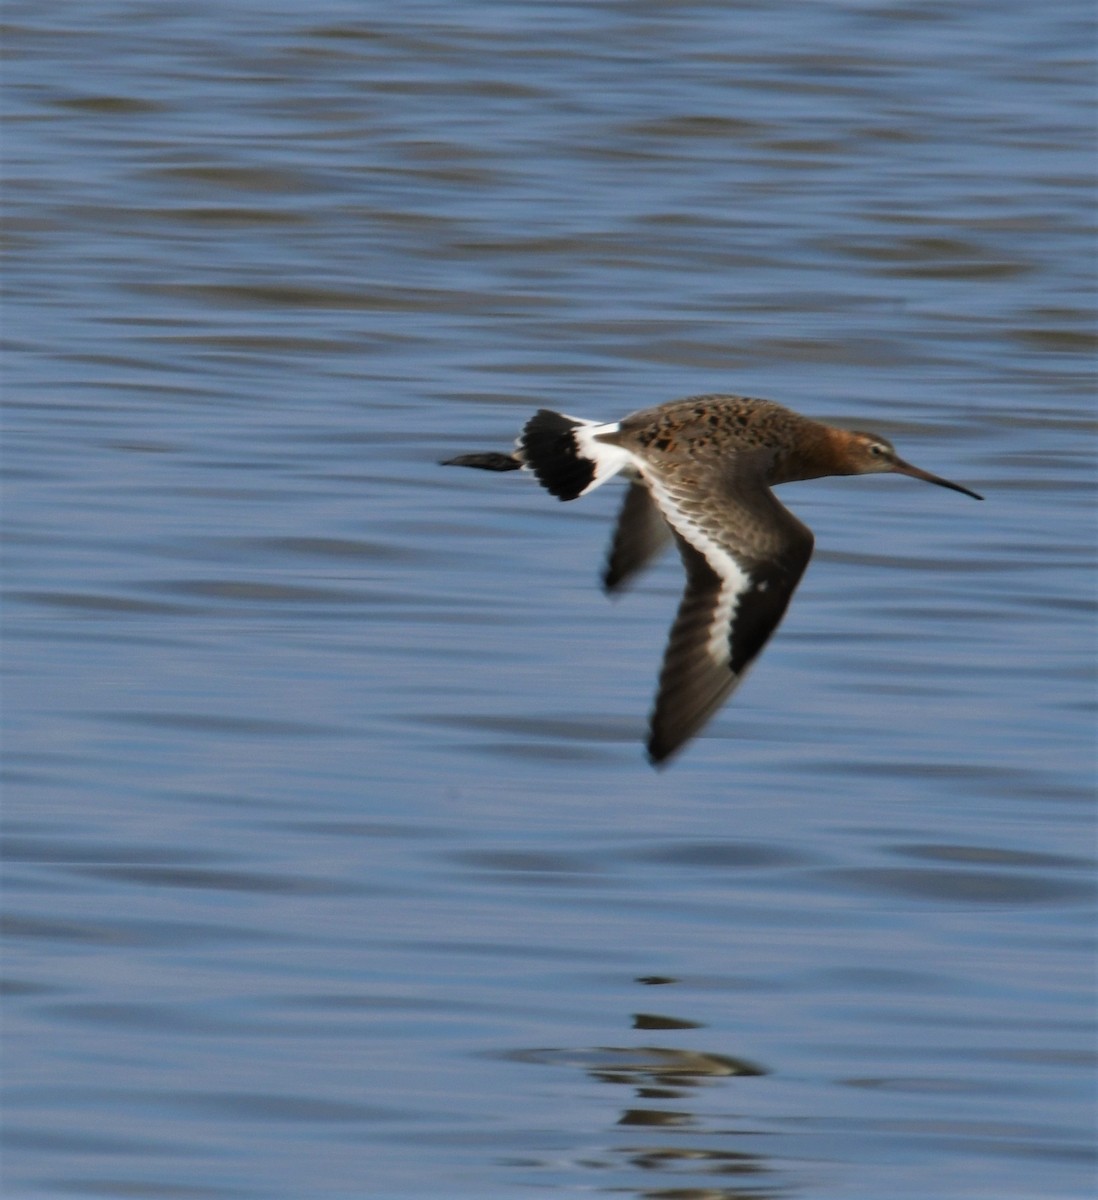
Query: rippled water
x=333, y=865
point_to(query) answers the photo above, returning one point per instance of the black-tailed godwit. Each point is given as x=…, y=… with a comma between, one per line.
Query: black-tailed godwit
x=700, y=470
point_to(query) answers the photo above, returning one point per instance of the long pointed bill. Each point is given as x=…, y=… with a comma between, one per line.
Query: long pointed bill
x=903, y=468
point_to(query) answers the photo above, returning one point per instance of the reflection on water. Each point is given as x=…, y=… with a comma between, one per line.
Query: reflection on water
x=655, y=1074
x=332, y=865
x=646, y=1065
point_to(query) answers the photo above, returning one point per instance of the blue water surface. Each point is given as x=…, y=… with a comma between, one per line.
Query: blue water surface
x=333, y=865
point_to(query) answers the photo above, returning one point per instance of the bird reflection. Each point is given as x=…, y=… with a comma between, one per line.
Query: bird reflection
x=655, y=1021
x=661, y=1079
x=665, y=1066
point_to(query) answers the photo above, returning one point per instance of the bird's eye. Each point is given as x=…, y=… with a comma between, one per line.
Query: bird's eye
x=876, y=449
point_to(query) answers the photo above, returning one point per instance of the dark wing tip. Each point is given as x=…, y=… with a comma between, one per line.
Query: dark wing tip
x=684, y=705
x=612, y=585
x=640, y=534
x=693, y=682
x=660, y=753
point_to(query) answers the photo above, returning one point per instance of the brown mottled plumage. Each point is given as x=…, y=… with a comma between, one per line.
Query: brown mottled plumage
x=701, y=471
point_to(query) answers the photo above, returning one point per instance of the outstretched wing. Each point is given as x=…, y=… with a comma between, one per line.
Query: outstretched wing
x=744, y=555
x=640, y=534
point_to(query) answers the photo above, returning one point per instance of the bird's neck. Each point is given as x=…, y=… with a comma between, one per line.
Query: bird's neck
x=816, y=452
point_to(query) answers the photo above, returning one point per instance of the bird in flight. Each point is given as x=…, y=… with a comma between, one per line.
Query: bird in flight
x=700, y=471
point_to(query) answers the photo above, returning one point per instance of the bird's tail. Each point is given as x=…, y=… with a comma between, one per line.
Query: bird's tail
x=565, y=454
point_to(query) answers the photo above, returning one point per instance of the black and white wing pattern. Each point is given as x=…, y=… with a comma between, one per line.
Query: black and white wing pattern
x=744, y=554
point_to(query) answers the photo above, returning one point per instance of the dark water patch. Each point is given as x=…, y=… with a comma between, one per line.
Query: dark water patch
x=76, y=932
x=365, y=830
x=283, y=346
x=547, y=951
x=1059, y=341
x=790, y=150
x=1082, y=1059
x=104, y=631
x=1011, y=1140
x=993, y=856
x=338, y=548
x=862, y=558
x=302, y=297
x=228, y=216
x=895, y=980
x=93, y=604
x=965, y=887
x=1074, y=458
x=264, y=1107
x=526, y=867
x=258, y=496
x=144, y=447
x=703, y=126
x=65, y=851
x=25, y=987
x=73, y=1142
x=537, y=753
x=265, y=179
x=253, y=591
x=549, y=728
x=222, y=724
x=222, y=881
x=923, y=1085
x=129, y=932
x=368, y=1003
x=852, y=352
x=111, y=105
x=725, y=855
x=220, y=802
x=938, y=257
x=143, y=1187
x=160, y=1020
x=989, y=779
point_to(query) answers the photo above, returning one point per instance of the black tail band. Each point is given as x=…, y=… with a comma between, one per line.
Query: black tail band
x=549, y=446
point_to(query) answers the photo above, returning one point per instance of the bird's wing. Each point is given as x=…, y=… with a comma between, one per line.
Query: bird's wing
x=744, y=554
x=640, y=534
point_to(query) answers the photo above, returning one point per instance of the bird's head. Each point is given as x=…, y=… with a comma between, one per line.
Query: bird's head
x=869, y=454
